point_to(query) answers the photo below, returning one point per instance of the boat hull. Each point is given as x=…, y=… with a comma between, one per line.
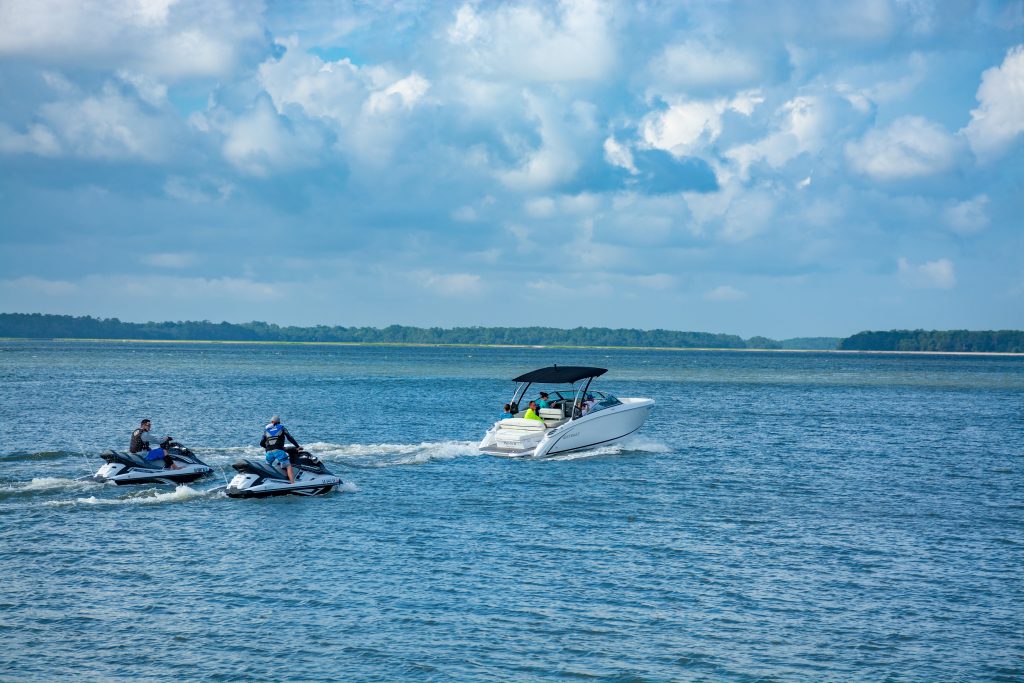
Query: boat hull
x=598, y=429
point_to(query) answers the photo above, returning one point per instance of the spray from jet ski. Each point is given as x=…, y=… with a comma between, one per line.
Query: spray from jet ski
x=256, y=479
x=133, y=468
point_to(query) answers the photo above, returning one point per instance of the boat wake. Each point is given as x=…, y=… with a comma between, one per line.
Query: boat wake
x=180, y=494
x=392, y=454
x=46, y=485
x=633, y=444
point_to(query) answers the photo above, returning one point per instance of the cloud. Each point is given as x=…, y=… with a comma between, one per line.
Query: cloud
x=555, y=160
x=109, y=125
x=688, y=126
x=969, y=216
x=200, y=189
x=535, y=43
x=364, y=106
x=937, y=274
x=694, y=64
x=805, y=124
x=260, y=141
x=725, y=293
x=999, y=119
x=167, y=38
x=910, y=147
x=457, y=285
x=38, y=140
x=133, y=288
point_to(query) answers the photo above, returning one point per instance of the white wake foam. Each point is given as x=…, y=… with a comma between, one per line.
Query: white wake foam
x=44, y=484
x=391, y=454
x=633, y=444
x=178, y=495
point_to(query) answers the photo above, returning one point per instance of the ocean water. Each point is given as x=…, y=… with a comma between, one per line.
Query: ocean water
x=781, y=516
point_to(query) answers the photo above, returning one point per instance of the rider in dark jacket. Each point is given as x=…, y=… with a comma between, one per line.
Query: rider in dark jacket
x=140, y=444
x=273, y=441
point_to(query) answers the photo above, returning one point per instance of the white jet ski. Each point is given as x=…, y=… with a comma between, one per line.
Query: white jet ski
x=133, y=468
x=260, y=479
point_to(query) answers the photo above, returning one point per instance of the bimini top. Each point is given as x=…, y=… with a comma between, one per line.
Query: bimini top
x=560, y=374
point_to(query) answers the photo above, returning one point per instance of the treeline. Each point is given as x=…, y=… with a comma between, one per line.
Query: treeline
x=43, y=326
x=997, y=341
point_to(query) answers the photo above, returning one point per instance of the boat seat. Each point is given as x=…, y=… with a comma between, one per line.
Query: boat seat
x=552, y=416
x=521, y=424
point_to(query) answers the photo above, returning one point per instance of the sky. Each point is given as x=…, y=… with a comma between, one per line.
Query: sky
x=792, y=168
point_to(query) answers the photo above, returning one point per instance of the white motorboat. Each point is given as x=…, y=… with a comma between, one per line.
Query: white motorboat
x=577, y=419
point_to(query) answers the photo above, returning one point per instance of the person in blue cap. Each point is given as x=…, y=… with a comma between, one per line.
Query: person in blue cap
x=274, y=437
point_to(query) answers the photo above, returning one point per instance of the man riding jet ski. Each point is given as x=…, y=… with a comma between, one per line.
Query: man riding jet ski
x=134, y=468
x=257, y=479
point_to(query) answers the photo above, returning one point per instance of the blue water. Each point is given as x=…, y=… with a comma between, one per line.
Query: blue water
x=781, y=516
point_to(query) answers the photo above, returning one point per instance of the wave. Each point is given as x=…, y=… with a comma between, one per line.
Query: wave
x=180, y=494
x=40, y=455
x=633, y=444
x=392, y=454
x=42, y=485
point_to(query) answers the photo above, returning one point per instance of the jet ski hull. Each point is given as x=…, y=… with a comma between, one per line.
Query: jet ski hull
x=123, y=475
x=248, y=486
x=261, y=480
x=129, y=469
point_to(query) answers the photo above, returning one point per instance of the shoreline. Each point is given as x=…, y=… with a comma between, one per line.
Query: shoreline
x=1000, y=354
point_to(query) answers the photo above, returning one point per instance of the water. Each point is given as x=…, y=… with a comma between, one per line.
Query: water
x=791, y=516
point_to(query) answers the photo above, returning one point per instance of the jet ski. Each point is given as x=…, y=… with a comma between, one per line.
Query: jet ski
x=133, y=468
x=260, y=479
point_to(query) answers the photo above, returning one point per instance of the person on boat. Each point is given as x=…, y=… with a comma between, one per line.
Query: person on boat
x=531, y=412
x=543, y=402
x=140, y=444
x=508, y=412
x=273, y=442
x=588, y=404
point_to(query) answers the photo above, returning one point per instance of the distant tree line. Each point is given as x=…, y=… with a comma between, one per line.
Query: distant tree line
x=999, y=341
x=45, y=326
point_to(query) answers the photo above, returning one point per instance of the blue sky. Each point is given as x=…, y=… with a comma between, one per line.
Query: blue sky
x=786, y=168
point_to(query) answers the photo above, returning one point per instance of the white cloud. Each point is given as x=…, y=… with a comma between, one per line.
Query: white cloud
x=1000, y=117
x=108, y=125
x=725, y=293
x=804, y=127
x=132, y=288
x=554, y=161
x=969, y=216
x=457, y=285
x=152, y=91
x=38, y=139
x=910, y=147
x=618, y=155
x=937, y=274
x=402, y=94
x=687, y=127
x=260, y=142
x=168, y=38
x=525, y=43
x=694, y=63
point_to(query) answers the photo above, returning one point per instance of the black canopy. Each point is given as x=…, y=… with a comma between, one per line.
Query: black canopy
x=559, y=374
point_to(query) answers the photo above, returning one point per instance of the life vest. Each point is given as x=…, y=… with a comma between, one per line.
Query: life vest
x=274, y=435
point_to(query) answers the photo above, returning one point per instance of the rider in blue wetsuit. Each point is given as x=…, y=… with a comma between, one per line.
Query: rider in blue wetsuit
x=140, y=444
x=274, y=436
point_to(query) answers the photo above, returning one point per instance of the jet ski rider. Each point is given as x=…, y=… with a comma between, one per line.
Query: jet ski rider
x=274, y=435
x=140, y=444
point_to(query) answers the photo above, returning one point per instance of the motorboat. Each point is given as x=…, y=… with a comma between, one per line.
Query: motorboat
x=577, y=418
x=260, y=479
x=133, y=468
